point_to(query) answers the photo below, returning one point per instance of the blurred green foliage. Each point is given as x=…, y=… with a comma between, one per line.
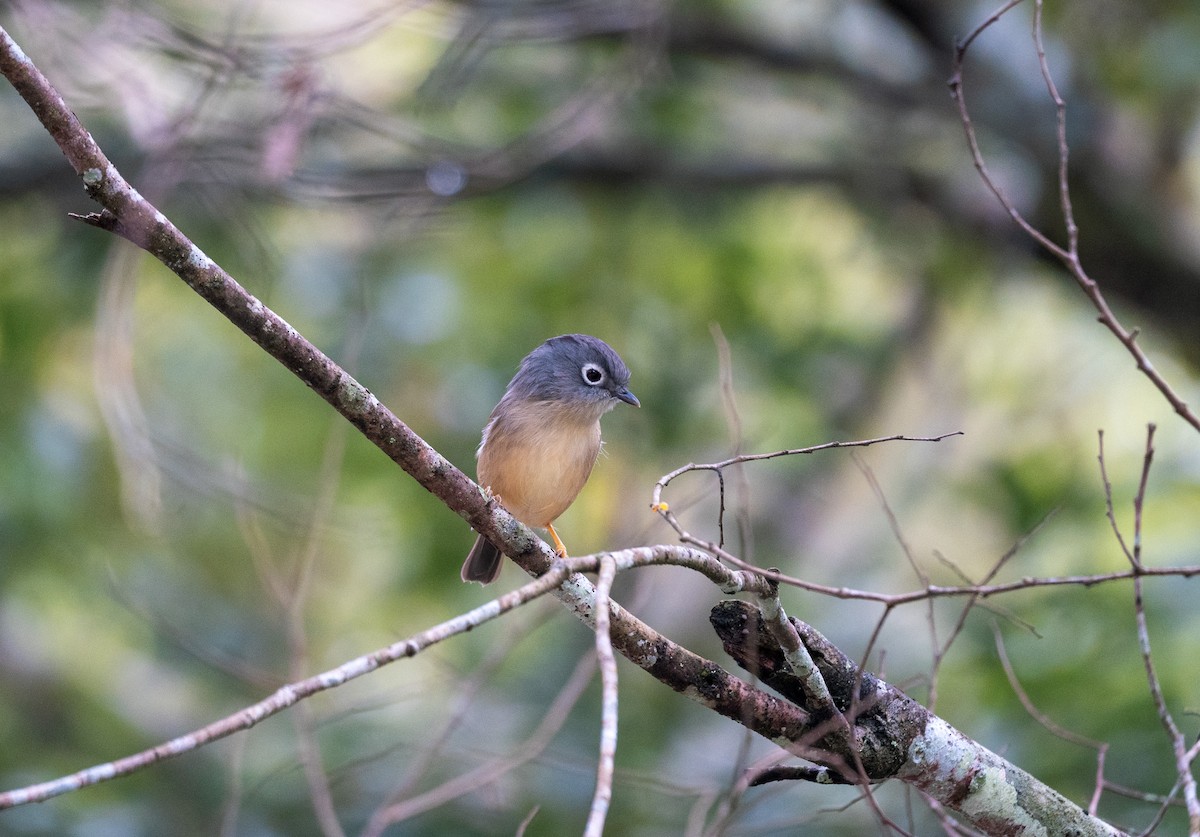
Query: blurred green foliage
x=183, y=527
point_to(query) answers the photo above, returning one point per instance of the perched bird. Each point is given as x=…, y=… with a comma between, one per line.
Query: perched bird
x=542, y=439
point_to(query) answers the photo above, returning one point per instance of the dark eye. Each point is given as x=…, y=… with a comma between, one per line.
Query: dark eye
x=593, y=375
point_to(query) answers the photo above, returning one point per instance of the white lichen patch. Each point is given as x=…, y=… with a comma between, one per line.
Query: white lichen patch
x=197, y=259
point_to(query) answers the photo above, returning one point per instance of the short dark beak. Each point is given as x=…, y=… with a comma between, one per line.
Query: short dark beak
x=628, y=397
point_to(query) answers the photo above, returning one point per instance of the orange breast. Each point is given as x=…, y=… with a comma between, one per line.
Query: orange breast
x=537, y=460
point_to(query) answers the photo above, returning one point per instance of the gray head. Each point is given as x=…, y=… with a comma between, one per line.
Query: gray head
x=574, y=370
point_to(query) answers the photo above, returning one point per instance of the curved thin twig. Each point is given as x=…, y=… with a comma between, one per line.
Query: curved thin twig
x=1068, y=255
x=286, y=696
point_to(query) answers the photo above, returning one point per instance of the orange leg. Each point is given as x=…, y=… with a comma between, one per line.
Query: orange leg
x=558, y=544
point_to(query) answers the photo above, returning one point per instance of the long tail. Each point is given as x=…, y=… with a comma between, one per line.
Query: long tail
x=483, y=562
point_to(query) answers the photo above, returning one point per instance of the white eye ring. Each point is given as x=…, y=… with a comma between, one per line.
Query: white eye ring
x=593, y=375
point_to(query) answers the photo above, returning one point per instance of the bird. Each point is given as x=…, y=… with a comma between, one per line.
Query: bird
x=543, y=437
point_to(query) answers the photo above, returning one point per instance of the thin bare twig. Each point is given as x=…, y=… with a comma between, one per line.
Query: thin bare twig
x=658, y=505
x=465, y=694
x=551, y=722
x=940, y=652
x=1068, y=255
x=1048, y=723
x=982, y=591
x=733, y=419
x=1164, y=803
x=666, y=479
x=286, y=696
x=893, y=521
x=297, y=633
x=732, y=799
x=1109, y=510
x=1183, y=757
x=608, y=717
